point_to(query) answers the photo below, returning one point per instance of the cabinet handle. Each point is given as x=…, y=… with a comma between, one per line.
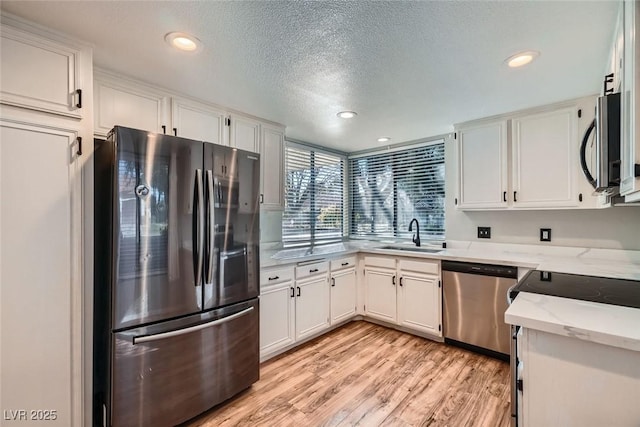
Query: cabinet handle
x=293, y=293
x=79, y=152
x=164, y=129
x=580, y=197
x=344, y=263
x=175, y=131
x=298, y=290
x=393, y=280
x=515, y=196
x=313, y=270
x=274, y=278
x=401, y=281
x=261, y=198
x=79, y=92
x=504, y=196
x=333, y=281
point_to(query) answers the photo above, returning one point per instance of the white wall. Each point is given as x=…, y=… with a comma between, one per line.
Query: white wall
x=270, y=226
x=612, y=228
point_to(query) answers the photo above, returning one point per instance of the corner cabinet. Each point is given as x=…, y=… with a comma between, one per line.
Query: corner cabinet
x=525, y=160
x=272, y=167
x=630, y=149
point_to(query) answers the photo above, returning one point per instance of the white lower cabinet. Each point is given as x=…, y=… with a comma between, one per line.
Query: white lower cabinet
x=380, y=293
x=312, y=306
x=405, y=292
x=343, y=295
x=419, y=302
x=572, y=382
x=277, y=317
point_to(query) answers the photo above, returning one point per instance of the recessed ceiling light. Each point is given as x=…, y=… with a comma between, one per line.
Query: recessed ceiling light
x=384, y=139
x=347, y=114
x=183, y=41
x=521, y=58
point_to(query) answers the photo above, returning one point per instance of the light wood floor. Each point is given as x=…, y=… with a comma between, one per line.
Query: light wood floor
x=365, y=374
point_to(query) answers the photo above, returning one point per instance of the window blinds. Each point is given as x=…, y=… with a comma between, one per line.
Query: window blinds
x=314, y=195
x=389, y=189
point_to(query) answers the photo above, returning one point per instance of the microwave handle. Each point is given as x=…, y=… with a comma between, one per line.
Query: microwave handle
x=583, y=156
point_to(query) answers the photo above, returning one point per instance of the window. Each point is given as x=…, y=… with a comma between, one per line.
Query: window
x=314, y=195
x=390, y=189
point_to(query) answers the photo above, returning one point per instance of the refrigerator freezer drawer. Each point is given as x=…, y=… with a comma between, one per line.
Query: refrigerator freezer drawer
x=165, y=376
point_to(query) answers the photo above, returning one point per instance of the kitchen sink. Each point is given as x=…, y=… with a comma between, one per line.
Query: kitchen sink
x=413, y=249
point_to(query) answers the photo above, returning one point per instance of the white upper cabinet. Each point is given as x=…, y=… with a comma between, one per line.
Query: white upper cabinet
x=244, y=133
x=526, y=160
x=482, y=165
x=630, y=149
x=194, y=120
x=272, y=167
x=118, y=102
x=544, y=159
x=39, y=73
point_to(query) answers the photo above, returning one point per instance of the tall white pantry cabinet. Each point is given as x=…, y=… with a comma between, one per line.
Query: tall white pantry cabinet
x=46, y=123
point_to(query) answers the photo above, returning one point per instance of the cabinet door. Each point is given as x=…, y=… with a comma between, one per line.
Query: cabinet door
x=380, y=294
x=277, y=317
x=272, y=182
x=312, y=306
x=343, y=295
x=41, y=284
x=419, y=305
x=630, y=153
x=544, y=159
x=245, y=133
x=482, y=166
x=129, y=106
x=39, y=73
x=197, y=121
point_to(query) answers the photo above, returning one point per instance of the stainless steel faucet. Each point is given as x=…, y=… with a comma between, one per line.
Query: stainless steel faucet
x=416, y=237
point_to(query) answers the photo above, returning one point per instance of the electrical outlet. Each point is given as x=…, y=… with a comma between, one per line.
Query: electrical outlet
x=545, y=234
x=484, y=232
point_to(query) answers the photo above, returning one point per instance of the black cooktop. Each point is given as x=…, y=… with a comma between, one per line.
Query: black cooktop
x=575, y=286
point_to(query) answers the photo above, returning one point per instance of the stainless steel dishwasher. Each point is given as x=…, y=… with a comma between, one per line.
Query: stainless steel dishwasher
x=474, y=302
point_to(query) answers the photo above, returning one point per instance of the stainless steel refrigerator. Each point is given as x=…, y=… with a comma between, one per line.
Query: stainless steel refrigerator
x=176, y=326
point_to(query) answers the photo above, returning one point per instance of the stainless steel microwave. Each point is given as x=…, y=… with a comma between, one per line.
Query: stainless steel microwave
x=607, y=145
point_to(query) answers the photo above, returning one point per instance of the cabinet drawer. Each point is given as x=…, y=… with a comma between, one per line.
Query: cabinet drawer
x=272, y=276
x=378, y=261
x=346, y=262
x=427, y=267
x=312, y=269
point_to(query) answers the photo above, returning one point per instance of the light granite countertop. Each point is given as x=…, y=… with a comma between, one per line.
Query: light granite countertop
x=601, y=323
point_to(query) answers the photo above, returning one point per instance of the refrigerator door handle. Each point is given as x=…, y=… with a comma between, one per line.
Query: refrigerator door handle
x=198, y=221
x=210, y=228
x=178, y=332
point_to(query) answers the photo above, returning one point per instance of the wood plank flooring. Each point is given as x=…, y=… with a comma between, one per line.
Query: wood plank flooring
x=368, y=375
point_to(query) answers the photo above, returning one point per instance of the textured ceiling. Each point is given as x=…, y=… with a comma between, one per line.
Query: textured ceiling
x=410, y=69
